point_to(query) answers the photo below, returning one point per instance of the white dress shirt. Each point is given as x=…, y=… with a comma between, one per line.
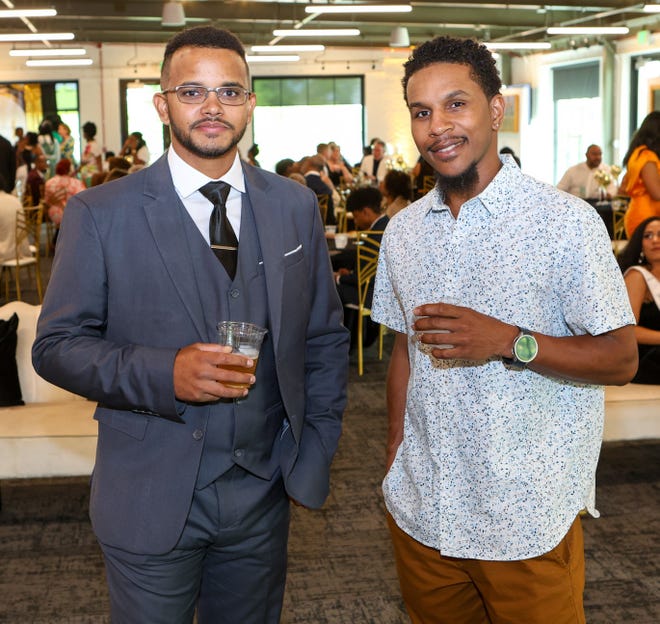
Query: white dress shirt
x=187, y=182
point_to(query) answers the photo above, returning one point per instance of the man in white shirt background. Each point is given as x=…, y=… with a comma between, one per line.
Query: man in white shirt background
x=580, y=180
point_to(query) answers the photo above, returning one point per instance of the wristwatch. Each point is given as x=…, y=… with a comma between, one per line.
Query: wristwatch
x=525, y=349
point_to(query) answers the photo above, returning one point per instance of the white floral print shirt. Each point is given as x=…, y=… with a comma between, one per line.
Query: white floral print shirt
x=496, y=463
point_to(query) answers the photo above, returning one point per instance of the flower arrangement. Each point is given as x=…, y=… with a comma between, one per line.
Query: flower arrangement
x=603, y=178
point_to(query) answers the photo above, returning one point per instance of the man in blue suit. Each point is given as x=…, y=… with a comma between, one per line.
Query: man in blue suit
x=191, y=487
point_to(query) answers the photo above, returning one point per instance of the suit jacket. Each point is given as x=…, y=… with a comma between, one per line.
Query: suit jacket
x=123, y=298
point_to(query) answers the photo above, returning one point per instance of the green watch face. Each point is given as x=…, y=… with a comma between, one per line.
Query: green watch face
x=526, y=348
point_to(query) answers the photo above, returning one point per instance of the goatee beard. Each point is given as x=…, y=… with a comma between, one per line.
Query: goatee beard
x=463, y=183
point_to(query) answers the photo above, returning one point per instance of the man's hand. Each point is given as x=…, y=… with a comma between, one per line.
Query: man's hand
x=199, y=375
x=473, y=336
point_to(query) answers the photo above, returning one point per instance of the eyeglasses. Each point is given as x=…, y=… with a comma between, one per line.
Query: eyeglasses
x=194, y=94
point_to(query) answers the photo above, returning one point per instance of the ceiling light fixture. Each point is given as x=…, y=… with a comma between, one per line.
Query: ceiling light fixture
x=320, y=32
x=587, y=30
x=288, y=48
x=27, y=13
x=173, y=14
x=518, y=45
x=358, y=8
x=399, y=37
x=273, y=58
x=651, y=8
x=48, y=52
x=38, y=37
x=57, y=62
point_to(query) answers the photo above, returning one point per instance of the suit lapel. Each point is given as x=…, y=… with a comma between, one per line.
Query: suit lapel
x=267, y=210
x=164, y=211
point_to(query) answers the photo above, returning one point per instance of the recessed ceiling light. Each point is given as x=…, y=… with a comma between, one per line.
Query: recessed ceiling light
x=273, y=58
x=57, y=62
x=48, y=52
x=588, y=30
x=288, y=48
x=27, y=13
x=319, y=32
x=358, y=8
x=38, y=37
x=518, y=45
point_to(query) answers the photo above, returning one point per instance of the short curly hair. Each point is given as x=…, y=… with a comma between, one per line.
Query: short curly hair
x=483, y=69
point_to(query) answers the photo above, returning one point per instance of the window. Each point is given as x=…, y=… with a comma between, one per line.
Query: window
x=26, y=105
x=295, y=114
x=139, y=115
x=578, y=113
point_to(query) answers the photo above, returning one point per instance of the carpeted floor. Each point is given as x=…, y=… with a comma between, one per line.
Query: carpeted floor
x=341, y=569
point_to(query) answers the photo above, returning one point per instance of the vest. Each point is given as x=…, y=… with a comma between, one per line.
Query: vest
x=244, y=431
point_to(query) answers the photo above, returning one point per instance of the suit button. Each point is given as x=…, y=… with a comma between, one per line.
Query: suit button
x=238, y=453
x=234, y=293
x=198, y=434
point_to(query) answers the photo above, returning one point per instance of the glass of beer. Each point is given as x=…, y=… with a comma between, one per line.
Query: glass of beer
x=244, y=338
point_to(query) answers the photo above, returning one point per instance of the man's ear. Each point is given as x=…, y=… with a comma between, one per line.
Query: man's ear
x=497, y=107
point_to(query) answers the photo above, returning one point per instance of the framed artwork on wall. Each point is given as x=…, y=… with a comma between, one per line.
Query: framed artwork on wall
x=511, y=119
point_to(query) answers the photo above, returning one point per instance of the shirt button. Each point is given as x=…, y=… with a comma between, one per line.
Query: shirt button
x=238, y=453
x=198, y=434
x=234, y=293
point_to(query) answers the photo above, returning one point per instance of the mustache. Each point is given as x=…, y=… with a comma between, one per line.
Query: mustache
x=218, y=119
x=444, y=142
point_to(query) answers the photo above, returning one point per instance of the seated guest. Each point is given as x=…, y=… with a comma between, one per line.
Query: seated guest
x=640, y=263
x=365, y=204
x=396, y=190
x=338, y=169
x=375, y=166
x=311, y=168
x=36, y=178
x=284, y=167
x=420, y=171
x=9, y=208
x=58, y=189
x=580, y=179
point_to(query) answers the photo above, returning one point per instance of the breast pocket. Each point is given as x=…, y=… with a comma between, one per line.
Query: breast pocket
x=293, y=256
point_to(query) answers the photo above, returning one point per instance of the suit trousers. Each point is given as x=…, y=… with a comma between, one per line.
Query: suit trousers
x=445, y=590
x=230, y=561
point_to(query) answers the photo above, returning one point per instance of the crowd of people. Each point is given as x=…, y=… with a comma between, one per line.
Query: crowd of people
x=43, y=166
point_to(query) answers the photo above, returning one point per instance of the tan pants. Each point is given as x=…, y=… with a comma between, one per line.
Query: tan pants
x=445, y=590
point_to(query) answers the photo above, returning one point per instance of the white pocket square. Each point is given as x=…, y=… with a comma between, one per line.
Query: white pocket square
x=290, y=253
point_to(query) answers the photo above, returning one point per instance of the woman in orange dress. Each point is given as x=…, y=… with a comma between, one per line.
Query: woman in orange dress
x=642, y=179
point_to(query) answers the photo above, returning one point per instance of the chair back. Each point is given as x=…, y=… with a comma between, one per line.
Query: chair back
x=619, y=208
x=28, y=230
x=368, y=248
x=323, y=206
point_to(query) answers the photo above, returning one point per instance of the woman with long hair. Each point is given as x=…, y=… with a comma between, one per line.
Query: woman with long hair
x=640, y=263
x=642, y=179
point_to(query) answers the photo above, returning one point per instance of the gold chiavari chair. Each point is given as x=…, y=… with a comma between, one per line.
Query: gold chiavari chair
x=28, y=249
x=368, y=249
x=323, y=206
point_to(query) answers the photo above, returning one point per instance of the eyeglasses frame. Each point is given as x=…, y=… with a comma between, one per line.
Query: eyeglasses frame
x=208, y=90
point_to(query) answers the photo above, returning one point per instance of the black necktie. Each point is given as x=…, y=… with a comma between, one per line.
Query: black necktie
x=223, y=239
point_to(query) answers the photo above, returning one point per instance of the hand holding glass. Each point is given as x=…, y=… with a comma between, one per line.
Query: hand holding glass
x=243, y=338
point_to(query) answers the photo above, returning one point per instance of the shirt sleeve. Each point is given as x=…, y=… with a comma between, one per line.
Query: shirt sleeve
x=591, y=285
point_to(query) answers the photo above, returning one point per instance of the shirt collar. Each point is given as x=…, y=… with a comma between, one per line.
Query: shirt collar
x=491, y=196
x=187, y=179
